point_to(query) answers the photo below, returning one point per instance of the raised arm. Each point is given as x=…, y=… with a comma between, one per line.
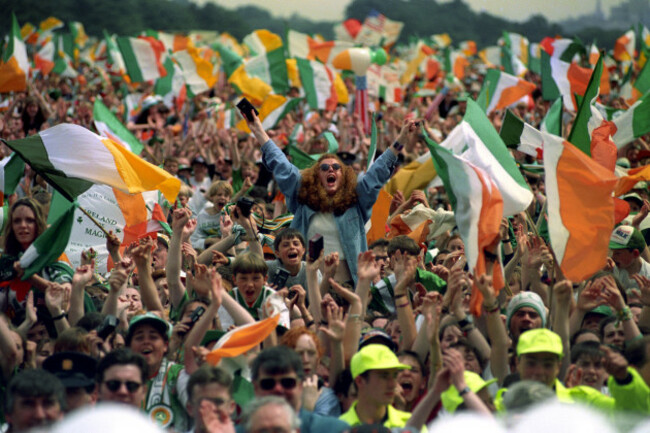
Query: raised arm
x=496, y=328
x=54, y=300
x=82, y=276
x=182, y=228
x=562, y=300
x=194, y=337
x=142, y=258
x=353, y=322
x=405, y=267
x=117, y=282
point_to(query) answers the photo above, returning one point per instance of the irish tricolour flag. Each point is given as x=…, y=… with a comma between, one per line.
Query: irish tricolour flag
x=477, y=142
x=143, y=56
x=110, y=126
x=580, y=208
x=14, y=65
x=478, y=208
x=72, y=159
x=501, y=90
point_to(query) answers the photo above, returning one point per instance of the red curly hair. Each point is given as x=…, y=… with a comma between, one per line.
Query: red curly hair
x=290, y=339
x=312, y=193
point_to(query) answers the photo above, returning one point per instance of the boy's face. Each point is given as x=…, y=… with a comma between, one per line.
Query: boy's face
x=220, y=199
x=290, y=251
x=250, y=285
x=381, y=257
x=593, y=371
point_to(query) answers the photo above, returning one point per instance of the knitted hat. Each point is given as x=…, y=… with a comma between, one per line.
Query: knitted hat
x=526, y=299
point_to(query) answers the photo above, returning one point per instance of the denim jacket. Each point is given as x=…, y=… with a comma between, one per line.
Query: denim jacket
x=351, y=225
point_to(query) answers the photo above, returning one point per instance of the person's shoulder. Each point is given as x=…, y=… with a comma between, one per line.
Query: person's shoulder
x=397, y=418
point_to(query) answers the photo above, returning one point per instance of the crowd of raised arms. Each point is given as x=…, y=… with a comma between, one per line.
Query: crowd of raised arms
x=268, y=305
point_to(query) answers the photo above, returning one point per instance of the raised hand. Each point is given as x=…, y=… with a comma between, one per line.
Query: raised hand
x=367, y=267
x=142, y=253
x=201, y=280
x=55, y=298
x=113, y=243
x=590, y=297
x=226, y=224
x=83, y=275
x=611, y=294
x=180, y=217
x=331, y=264
x=219, y=258
x=335, y=329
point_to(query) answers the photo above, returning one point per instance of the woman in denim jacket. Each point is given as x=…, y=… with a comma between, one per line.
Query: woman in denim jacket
x=328, y=198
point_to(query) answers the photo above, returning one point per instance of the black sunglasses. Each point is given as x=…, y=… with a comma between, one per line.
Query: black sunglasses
x=326, y=167
x=286, y=382
x=114, y=385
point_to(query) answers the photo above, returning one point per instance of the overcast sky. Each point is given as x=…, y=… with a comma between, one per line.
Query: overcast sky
x=518, y=10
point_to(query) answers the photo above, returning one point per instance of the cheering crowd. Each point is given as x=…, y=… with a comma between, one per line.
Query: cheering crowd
x=336, y=333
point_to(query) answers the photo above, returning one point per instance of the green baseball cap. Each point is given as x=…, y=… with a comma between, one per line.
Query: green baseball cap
x=626, y=237
x=539, y=341
x=148, y=318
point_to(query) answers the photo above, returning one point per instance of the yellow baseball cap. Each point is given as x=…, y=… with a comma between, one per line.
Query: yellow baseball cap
x=451, y=399
x=538, y=341
x=375, y=357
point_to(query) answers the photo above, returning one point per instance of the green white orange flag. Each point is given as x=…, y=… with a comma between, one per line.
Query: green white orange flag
x=110, y=126
x=172, y=86
x=143, y=57
x=560, y=78
x=633, y=123
x=476, y=140
x=580, y=208
x=14, y=65
x=197, y=71
x=519, y=135
x=63, y=154
x=552, y=122
x=624, y=47
x=115, y=61
x=580, y=135
x=478, y=209
x=49, y=246
x=44, y=58
x=501, y=90
x=242, y=339
x=301, y=45
x=267, y=60
x=318, y=83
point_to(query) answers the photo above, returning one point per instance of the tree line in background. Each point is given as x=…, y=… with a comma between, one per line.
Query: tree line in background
x=421, y=18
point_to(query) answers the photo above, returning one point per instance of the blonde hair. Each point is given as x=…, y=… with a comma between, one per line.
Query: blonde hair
x=220, y=185
x=249, y=263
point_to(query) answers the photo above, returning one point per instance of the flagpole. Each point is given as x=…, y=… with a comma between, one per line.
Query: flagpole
x=101, y=227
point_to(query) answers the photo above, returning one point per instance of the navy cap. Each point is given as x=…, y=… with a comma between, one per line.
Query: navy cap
x=73, y=369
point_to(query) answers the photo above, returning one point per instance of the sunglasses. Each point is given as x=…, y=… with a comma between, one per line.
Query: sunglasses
x=326, y=167
x=114, y=385
x=287, y=383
